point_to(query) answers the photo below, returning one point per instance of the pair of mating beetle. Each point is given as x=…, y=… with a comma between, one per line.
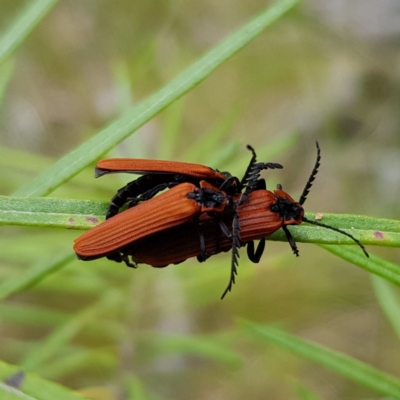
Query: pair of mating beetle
x=203, y=213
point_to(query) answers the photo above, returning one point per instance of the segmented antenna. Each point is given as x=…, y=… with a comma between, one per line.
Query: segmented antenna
x=310, y=181
x=235, y=253
x=251, y=178
x=253, y=160
x=252, y=174
x=337, y=230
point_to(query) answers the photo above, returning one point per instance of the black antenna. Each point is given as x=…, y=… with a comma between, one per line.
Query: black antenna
x=337, y=230
x=310, y=181
x=251, y=179
x=253, y=160
x=235, y=252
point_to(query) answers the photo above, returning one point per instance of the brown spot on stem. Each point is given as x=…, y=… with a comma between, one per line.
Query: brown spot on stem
x=93, y=220
x=379, y=235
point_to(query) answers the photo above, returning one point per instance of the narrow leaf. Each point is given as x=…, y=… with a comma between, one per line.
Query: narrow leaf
x=201, y=346
x=6, y=72
x=82, y=214
x=376, y=265
x=75, y=161
x=349, y=367
x=51, y=213
x=37, y=272
x=306, y=393
x=23, y=25
x=389, y=301
x=61, y=336
x=31, y=386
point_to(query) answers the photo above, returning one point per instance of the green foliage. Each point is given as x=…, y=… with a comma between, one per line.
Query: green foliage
x=22, y=26
x=87, y=325
x=31, y=386
x=133, y=119
x=338, y=362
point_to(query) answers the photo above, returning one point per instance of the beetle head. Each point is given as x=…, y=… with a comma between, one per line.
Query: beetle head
x=290, y=210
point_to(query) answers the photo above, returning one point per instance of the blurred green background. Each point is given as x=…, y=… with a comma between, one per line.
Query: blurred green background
x=327, y=71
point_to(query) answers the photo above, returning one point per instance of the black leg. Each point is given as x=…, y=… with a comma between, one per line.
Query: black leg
x=224, y=228
x=118, y=256
x=203, y=256
x=255, y=257
x=291, y=241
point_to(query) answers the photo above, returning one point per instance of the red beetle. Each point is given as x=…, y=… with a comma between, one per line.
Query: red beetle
x=192, y=218
x=183, y=203
x=260, y=213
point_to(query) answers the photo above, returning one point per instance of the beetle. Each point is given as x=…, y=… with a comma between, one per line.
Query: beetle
x=159, y=175
x=260, y=213
x=183, y=203
x=190, y=220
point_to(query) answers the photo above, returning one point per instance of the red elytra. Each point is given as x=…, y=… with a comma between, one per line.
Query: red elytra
x=165, y=211
x=159, y=175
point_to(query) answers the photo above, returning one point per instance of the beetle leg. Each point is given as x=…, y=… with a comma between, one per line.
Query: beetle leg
x=291, y=241
x=224, y=228
x=235, y=253
x=255, y=256
x=250, y=250
x=203, y=256
x=118, y=256
x=125, y=259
